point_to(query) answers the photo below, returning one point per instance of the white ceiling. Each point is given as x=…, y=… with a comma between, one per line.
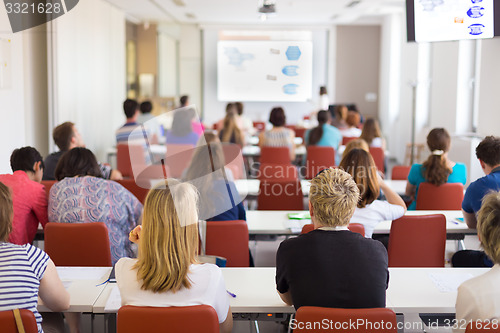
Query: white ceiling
x=302, y=12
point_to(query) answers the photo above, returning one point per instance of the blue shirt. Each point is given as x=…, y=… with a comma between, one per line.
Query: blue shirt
x=331, y=137
x=416, y=176
x=478, y=189
x=189, y=139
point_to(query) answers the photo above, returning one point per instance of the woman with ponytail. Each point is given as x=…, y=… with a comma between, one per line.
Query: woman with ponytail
x=438, y=169
x=324, y=134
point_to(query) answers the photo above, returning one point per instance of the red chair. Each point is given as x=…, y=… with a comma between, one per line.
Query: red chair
x=129, y=158
x=278, y=172
x=448, y=196
x=300, y=132
x=259, y=126
x=185, y=319
x=8, y=321
x=484, y=326
x=139, y=192
x=400, y=172
x=178, y=157
x=319, y=158
x=417, y=241
x=347, y=139
x=228, y=239
x=234, y=159
x=354, y=227
x=78, y=244
x=378, y=155
x=48, y=185
x=275, y=155
x=280, y=195
x=313, y=314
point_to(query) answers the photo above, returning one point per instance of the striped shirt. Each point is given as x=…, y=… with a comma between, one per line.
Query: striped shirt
x=278, y=138
x=21, y=269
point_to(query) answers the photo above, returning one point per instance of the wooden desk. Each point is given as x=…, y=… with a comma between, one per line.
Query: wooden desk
x=83, y=292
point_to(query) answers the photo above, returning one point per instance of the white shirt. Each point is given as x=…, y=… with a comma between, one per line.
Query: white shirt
x=374, y=213
x=351, y=132
x=376, y=142
x=479, y=298
x=207, y=287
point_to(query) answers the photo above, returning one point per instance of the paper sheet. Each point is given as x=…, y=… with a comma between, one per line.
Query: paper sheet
x=296, y=225
x=449, y=282
x=83, y=273
x=114, y=300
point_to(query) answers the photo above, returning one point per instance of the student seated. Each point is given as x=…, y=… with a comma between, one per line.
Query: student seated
x=127, y=133
x=230, y=132
x=182, y=128
x=67, y=137
x=372, y=134
x=279, y=135
x=26, y=272
x=332, y=266
x=82, y=196
x=438, y=169
x=488, y=153
x=29, y=197
x=477, y=298
x=339, y=117
x=171, y=278
x=352, y=120
x=356, y=144
x=324, y=135
x=370, y=211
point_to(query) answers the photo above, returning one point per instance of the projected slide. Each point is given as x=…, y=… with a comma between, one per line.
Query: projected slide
x=441, y=20
x=264, y=71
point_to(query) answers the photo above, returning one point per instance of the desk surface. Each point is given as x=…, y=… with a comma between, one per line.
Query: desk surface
x=276, y=222
x=411, y=290
x=250, y=187
x=83, y=292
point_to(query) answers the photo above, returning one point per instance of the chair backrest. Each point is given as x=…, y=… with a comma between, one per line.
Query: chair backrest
x=139, y=192
x=300, y=132
x=48, y=185
x=338, y=318
x=259, y=126
x=228, y=239
x=275, y=155
x=448, y=196
x=125, y=154
x=400, y=172
x=354, y=227
x=185, y=319
x=417, y=241
x=483, y=326
x=78, y=244
x=378, y=157
x=319, y=158
x=8, y=322
x=178, y=157
x=347, y=139
x=280, y=195
x=279, y=172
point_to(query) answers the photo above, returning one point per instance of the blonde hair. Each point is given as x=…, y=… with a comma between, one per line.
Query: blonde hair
x=355, y=144
x=230, y=128
x=333, y=196
x=488, y=225
x=6, y=212
x=169, y=238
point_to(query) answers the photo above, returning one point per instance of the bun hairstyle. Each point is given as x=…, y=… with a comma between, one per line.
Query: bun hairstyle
x=317, y=132
x=435, y=169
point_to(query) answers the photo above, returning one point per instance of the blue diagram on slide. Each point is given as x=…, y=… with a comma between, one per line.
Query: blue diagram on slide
x=476, y=29
x=293, y=53
x=290, y=89
x=290, y=70
x=236, y=58
x=475, y=12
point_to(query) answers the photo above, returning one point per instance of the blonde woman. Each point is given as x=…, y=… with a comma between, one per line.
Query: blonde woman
x=230, y=132
x=477, y=298
x=166, y=272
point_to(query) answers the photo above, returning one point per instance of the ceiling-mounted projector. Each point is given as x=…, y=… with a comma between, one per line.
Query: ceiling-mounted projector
x=268, y=7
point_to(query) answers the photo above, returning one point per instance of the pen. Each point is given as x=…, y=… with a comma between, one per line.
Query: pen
x=454, y=222
x=231, y=294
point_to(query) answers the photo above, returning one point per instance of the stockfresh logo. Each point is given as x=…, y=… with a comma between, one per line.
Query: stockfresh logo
x=26, y=14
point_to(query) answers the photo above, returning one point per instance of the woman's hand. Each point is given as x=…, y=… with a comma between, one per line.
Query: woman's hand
x=135, y=235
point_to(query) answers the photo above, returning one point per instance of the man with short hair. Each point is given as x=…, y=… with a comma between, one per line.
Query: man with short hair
x=28, y=195
x=332, y=266
x=67, y=137
x=127, y=132
x=488, y=154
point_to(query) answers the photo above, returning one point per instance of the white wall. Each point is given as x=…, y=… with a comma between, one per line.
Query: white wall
x=88, y=47
x=190, y=64
x=489, y=98
x=215, y=110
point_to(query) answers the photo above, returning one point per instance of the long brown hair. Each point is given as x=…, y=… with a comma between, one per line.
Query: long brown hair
x=435, y=170
x=363, y=170
x=230, y=128
x=6, y=212
x=317, y=132
x=371, y=130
